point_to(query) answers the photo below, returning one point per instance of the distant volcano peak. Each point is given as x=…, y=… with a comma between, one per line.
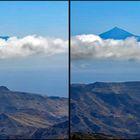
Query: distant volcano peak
x=118, y=34
x=4, y=37
x=116, y=28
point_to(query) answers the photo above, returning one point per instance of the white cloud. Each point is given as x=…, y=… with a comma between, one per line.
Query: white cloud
x=31, y=45
x=93, y=47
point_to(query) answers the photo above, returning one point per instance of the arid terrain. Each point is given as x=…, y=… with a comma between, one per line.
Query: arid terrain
x=32, y=116
x=106, y=108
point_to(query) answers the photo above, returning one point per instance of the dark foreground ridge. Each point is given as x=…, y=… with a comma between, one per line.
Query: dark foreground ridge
x=31, y=116
x=92, y=136
x=107, y=108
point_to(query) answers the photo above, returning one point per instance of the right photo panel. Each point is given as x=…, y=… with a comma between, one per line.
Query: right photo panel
x=105, y=70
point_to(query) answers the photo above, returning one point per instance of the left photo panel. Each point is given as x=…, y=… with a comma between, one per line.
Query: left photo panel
x=34, y=70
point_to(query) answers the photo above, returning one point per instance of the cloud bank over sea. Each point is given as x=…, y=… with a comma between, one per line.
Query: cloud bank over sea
x=31, y=45
x=90, y=46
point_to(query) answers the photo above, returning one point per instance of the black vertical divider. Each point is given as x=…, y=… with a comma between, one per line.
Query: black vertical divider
x=69, y=42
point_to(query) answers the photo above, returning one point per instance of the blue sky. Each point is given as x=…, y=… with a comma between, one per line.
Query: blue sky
x=92, y=17
x=41, y=18
x=96, y=17
x=43, y=74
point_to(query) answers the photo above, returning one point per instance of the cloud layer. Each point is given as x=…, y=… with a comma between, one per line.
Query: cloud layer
x=82, y=47
x=93, y=47
x=31, y=45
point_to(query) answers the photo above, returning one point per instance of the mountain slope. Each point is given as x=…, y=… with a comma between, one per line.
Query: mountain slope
x=59, y=131
x=4, y=37
x=118, y=34
x=10, y=128
x=23, y=113
x=107, y=108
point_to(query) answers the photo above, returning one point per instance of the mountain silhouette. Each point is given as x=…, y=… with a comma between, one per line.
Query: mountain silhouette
x=118, y=34
x=4, y=37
